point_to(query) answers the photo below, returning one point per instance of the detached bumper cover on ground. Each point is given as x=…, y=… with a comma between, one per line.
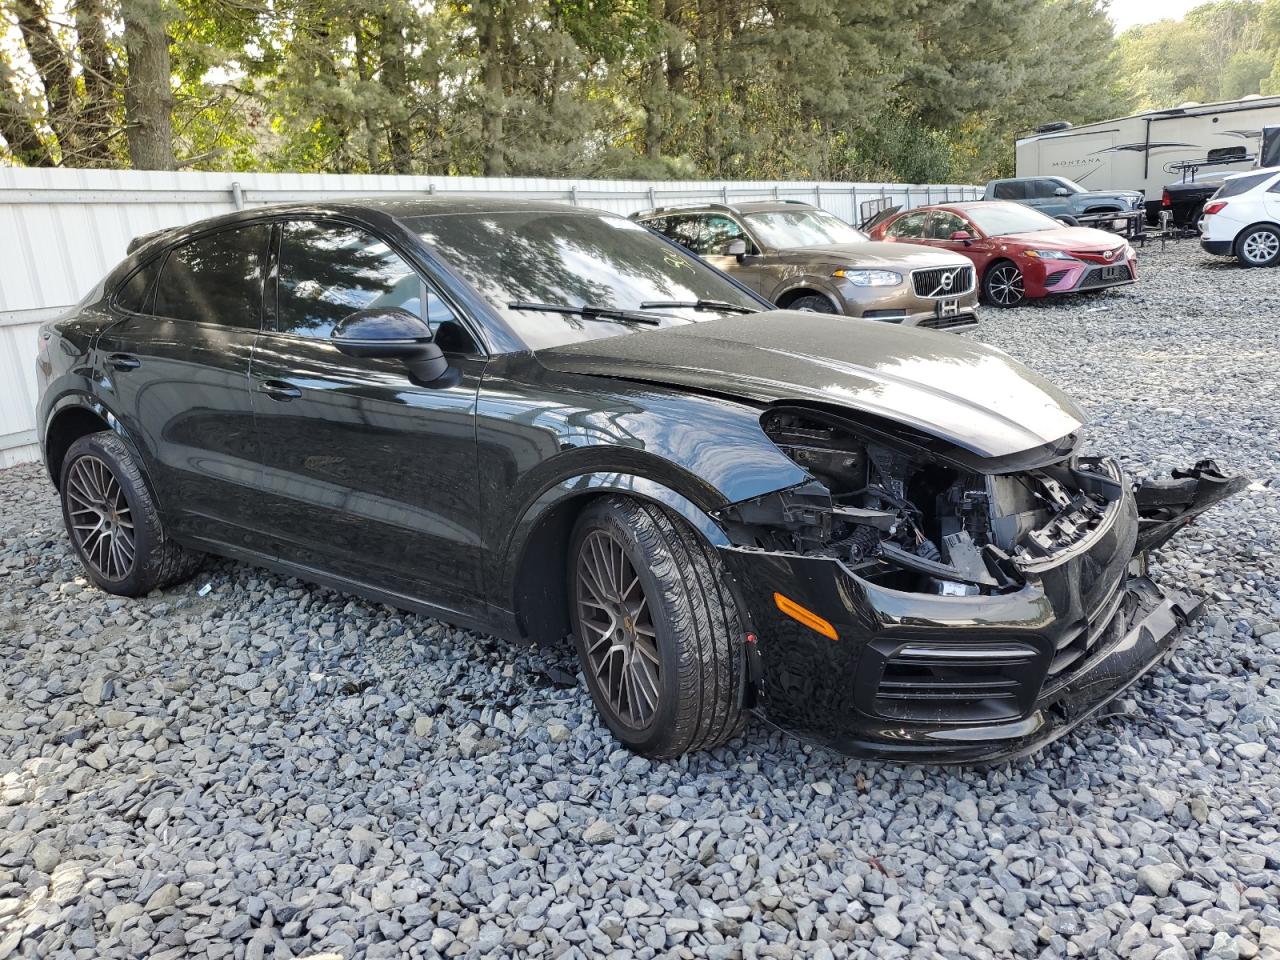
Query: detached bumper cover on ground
x=962, y=679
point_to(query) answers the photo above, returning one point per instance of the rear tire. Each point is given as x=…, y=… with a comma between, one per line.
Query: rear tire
x=1259, y=246
x=657, y=631
x=113, y=523
x=812, y=303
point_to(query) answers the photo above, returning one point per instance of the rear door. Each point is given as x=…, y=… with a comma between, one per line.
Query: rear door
x=366, y=474
x=176, y=371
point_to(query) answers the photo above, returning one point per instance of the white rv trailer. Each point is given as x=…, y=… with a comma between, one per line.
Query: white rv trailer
x=1144, y=152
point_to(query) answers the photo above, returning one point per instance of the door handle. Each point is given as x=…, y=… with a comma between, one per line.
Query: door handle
x=280, y=390
x=124, y=361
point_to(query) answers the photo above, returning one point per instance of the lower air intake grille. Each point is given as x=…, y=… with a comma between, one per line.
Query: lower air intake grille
x=937, y=683
x=949, y=323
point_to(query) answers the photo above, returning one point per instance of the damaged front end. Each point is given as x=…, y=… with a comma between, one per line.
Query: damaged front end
x=951, y=608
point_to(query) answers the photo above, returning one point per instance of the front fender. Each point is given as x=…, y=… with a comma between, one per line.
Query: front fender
x=531, y=583
x=808, y=281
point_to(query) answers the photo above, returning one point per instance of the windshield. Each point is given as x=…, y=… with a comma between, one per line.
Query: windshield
x=999, y=219
x=1071, y=185
x=574, y=259
x=784, y=229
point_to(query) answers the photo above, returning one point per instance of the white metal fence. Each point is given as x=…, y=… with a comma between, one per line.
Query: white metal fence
x=62, y=230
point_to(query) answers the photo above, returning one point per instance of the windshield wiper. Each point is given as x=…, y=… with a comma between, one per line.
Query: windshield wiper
x=723, y=305
x=590, y=312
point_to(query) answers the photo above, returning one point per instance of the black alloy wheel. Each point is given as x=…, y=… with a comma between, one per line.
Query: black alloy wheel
x=620, y=641
x=1002, y=285
x=656, y=627
x=113, y=521
x=101, y=522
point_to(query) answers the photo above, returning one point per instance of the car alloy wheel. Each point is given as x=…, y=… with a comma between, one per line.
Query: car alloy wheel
x=1261, y=247
x=620, y=641
x=101, y=520
x=1004, y=285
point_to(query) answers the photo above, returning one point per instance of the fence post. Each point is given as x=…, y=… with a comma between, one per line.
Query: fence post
x=817, y=195
x=237, y=195
x=724, y=194
x=928, y=195
x=853, y=204
x=573, y=194
x=653, y=198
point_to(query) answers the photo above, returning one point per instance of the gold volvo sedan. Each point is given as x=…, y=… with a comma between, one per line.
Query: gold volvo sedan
x=803, y=258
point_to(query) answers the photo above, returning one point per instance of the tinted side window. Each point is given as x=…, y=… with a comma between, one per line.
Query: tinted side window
x=216, y=278
x=1011, y=190
x=684, y=229
x=718, y=232
x=912, y=225
x=942, y=225
x=1044, y=189
x=330, y=270
x=135, y=293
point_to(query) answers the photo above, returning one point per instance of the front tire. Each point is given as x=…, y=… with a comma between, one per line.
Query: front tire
x=1259, y=246
x=812, y=303
x=656, y=629
x=113, y=523
x=1002, y=285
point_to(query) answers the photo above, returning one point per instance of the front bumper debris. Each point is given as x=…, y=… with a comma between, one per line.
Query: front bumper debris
x=965, y=679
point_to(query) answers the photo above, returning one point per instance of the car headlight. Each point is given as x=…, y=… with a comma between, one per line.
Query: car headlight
x=1050, y=255
x=870, y=278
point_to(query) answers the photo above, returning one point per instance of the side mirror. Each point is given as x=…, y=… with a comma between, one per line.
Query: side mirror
x=962, y=235
x=391, y=333
x=1062, y=192
x=736, y=248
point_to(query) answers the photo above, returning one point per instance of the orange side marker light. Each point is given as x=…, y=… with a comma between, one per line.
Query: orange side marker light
x=807, y=617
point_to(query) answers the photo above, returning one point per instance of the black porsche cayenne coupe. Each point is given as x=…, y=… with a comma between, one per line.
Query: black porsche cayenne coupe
x=547, y=422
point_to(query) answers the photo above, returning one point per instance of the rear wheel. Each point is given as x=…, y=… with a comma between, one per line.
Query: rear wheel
x=813, y=303
x=657, y=631
x=1002, y=285
x=1259, y=246
x=113, y=522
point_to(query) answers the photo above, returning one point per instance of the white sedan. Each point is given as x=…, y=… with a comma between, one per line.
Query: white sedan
x=1243, y=219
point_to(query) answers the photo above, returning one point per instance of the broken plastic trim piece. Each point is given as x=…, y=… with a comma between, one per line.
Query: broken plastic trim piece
x=1166, y=506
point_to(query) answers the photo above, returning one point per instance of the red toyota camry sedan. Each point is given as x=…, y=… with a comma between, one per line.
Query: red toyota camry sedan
x=1018, y=252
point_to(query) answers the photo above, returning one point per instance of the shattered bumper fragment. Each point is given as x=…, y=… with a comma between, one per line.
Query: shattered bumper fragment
x=937, y=613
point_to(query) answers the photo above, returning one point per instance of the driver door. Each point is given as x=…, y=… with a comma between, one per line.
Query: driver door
x=716, y=232
x=367, y=475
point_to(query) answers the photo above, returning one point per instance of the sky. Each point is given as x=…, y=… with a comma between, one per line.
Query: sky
x=1127, y=13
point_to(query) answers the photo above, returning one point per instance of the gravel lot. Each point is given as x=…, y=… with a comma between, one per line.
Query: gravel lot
x=275, y=770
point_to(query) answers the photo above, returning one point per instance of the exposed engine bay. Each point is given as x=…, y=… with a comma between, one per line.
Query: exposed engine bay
x=912, y=520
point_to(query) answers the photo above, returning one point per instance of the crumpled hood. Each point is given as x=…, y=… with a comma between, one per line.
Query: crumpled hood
x=878, y=254
x=972, y=395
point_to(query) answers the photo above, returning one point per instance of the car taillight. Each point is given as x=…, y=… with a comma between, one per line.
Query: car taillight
x=1165, y=200
x=1215, y=207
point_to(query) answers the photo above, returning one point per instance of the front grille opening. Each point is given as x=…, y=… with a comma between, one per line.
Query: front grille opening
x=927, y=683
x=938, y=283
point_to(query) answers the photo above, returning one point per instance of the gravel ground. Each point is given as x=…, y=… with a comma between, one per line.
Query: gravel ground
x=270, y=769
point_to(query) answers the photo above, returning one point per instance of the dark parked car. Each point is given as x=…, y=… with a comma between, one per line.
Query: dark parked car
x=540, y=421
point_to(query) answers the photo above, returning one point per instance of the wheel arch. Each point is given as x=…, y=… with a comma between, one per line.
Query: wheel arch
x=538, y=591
x=806, y=288
x=74, y=416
